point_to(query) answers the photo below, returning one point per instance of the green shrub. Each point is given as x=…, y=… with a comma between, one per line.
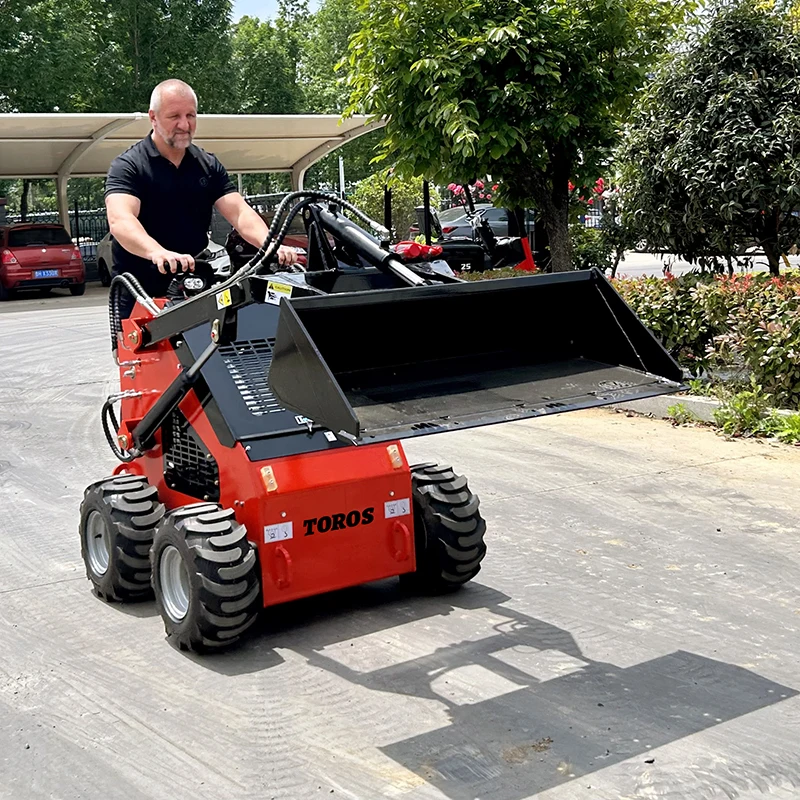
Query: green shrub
x=747, y=413
x=406, y=196
x=789, y=431
x=746, y=324
x=680, y=415
x=590, y=248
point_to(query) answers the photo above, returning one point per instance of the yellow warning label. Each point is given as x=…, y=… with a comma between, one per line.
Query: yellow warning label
x=224, y=299
x=277, y=290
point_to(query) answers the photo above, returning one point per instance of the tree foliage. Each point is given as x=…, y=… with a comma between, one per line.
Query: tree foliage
x=266, y=70
x=529, y=93
x=406, y=196
x=711, y=163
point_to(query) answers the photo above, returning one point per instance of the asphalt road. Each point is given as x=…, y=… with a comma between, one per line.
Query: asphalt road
x=633, y=634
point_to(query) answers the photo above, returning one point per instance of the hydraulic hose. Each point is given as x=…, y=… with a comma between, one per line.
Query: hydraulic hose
x=130, y=284
x=110, y=426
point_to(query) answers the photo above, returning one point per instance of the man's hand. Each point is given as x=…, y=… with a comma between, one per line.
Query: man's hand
x=286, y=256
x=168, y=261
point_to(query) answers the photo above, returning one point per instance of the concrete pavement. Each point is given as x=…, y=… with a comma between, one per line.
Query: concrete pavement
x=633, y=632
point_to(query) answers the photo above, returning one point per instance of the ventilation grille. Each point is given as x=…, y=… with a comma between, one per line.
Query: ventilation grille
x=248, y=363
x=188, y=466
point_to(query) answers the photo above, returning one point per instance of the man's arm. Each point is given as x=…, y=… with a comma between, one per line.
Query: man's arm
x=123, y=221
x=249, y=224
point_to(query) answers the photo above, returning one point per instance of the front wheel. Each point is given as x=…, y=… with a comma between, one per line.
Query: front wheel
x=118, y=518
x=205, y=577
x=449, y=530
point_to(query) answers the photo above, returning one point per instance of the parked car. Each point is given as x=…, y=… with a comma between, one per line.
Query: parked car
x=41, y=257
x=455, y=223
x=217, y=256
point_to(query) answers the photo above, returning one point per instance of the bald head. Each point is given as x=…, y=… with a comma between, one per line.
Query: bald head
x=171, y=88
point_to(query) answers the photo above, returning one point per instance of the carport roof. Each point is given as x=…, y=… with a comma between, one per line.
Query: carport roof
x=82, y=145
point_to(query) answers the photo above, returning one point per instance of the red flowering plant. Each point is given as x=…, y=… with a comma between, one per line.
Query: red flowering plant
x=481, y=191
x=744, y=324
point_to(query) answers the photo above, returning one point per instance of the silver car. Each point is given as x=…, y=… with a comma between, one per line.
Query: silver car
x=217, y=256
x=455, y=223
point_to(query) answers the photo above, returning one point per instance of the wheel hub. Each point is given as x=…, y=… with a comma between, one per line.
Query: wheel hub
x=98, y=543
x=175, y=586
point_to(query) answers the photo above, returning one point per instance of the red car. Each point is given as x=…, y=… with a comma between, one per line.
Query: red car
x=37, y=256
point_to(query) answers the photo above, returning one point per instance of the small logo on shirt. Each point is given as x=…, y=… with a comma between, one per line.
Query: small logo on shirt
x=204, y=182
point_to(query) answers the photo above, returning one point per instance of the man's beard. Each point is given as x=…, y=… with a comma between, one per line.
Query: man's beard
x=185, y=141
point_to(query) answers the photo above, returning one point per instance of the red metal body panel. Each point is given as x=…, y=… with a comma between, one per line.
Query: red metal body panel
x=323, y=525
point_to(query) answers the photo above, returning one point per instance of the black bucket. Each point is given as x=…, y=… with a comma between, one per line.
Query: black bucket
x=392, y=363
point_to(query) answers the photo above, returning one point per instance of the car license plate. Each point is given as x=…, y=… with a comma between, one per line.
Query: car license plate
x=45, y=273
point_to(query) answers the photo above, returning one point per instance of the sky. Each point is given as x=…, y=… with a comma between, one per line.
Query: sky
x=255, y=8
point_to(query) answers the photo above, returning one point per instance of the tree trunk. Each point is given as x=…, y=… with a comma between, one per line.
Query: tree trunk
x=557, y=223
x=769, y=241
x=772, y=257
x=617, y=258
x=23, y=201
x=552, y=195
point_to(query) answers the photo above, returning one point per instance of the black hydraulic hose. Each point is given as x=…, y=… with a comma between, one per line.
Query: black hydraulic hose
x=308, y=196
x=108, y=416
x=131, y=284
x=272, y=246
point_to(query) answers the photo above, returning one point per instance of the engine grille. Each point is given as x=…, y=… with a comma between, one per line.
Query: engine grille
x=188, y=466
x=248, y=363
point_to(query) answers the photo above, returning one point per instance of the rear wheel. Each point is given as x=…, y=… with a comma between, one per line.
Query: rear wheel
x=205, y=577
x=4, y=293
x=77, y=289
x=449, y=530
x=104, y=273
x=118, y=519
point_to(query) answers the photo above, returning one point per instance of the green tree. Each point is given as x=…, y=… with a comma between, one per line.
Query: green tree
x=328, y=32
x=139, y=43
x=266, y=70
x=46, y=56
x=711, y=163
x=532, y=94
x=406, y=196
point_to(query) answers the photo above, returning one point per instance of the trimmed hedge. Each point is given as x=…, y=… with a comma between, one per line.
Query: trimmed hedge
x=747, y=324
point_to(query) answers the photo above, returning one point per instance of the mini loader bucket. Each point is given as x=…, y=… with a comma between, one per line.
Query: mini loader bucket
x=393, y=363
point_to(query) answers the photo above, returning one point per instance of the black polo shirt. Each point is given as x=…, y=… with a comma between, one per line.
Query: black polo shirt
x=176, y=202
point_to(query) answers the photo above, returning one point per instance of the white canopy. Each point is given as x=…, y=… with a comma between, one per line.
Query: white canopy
x=61, y=146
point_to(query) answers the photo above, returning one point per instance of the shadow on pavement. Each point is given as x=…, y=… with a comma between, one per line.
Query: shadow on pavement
x=528, y=711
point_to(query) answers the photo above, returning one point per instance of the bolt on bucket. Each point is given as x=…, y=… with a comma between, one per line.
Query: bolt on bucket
x=394, y=363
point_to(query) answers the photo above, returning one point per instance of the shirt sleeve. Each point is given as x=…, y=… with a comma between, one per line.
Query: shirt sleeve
x=221, y=184
x=123, y=178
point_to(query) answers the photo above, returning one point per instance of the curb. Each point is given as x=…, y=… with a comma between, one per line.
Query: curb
x=701, y=407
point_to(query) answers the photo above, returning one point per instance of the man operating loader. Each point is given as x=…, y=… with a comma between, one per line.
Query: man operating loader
x=160, y=194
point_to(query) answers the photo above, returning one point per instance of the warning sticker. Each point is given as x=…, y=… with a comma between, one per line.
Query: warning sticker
x=224, y=299
x=278, y=533
x=277, y=290
x=397, y=508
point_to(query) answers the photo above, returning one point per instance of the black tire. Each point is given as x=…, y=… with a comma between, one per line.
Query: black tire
x=206, y=577
x=118, y=520
x=104, y=273
x=77, y=289
x=449, y=530
x=4, y=293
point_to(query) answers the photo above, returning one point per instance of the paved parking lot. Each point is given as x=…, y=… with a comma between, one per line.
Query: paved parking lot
x=633, y=633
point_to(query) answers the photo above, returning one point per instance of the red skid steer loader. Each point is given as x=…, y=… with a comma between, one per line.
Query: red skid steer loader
x=262, y=418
